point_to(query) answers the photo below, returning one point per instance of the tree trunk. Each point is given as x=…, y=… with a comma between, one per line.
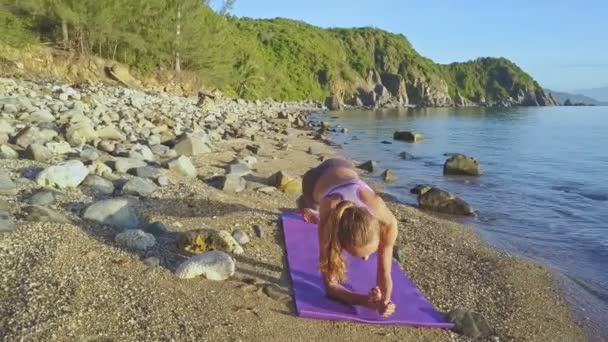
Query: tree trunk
x=178, y=66
x=64, y=31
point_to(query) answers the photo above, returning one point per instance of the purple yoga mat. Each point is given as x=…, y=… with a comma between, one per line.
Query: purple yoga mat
x=302, y=245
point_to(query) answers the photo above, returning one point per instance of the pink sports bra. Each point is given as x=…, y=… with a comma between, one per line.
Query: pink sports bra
x=349, y=191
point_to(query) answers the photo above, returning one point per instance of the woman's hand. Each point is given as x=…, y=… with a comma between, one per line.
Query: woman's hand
x=375, y=301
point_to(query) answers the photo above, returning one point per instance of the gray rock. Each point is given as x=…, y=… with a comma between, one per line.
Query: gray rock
x=459, y=164
x=117, y=212
x=42, y=116
x=259, y=231
x=212, y=265
x=193, y=145
x=99, y=184
x=408, y=136
x=152, y=261
x=421, y=189
x=8, y=153
x=388, y=176
x=10, y=108
x=80, y=133
x=7, y=224
x=162, y=181
x=140, y=187
x=368, y=166
x=141, y=152
x=37, y=213
x=149, y=172
x=400, y=254
x=135, y=239
x=89, y=154
x=444, y=202
x=241, y=237
x=7, y=186
x=123, y=165
x=470, y=323
x=29, y=135
x=41, y=198
x=6, y=127
x=406, y=156
x=59, y=148
x=65, y=175
x=184, y=166
x=156, y=229
x=38, y=153
x=238, y=169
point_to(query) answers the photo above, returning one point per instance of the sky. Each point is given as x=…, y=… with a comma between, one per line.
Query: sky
x=563, y=44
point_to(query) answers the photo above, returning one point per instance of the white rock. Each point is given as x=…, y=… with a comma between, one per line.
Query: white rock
x=116, y=212
x=65, y=175
x=184, y=166
x=59, y=148
x=212, y=265
x=135, y=239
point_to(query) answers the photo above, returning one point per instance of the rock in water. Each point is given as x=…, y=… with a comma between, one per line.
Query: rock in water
x=6, y=222
x=183, y=166
x=116, y=212
x=421, y=189
x=140, y=187
x=388, y=176
x=459, y=164
x=470, y=323
x=241, y=237
x=99, y=184
x=212, y=265
x=368, y=166
x=406, y=156
x=65, y=175
x=193, y=145
x=38, y=153
x=41, y=198
x=135, y=239
x=408, y=136
x=444, y=202
x=37, y=213
x=7, y=186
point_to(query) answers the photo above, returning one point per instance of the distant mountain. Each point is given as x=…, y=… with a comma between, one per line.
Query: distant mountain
x=600, y=93
x=561, y=97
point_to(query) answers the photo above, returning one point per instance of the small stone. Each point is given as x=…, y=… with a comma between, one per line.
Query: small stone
x=212, y=265
x=107, y=146
x=99, y=184
x=116, y=212
x=36, y=213
x=253, y=148
x=152, y=261
x=7, y=186
x=141, y=152
x=183, y=166
x=38, y=153
x=259, y=231
x=368, y=166
x=123, y=165
x=162, y=181
x=241, y=237
x=65, y=175
x=275, y=292
x=6, y=222
x=8, y=153
x=149, y=172
x=408, y=136
x=41, y=198
x=388, y=176
x=135, y=239
x=400, y=254
x=89, y=154
x=140, y=187
x=386, y=142
x=470, y=324
x=59, y=148
x=406, y=156
x=156, y=229
x=110, y=133
x=315, y=150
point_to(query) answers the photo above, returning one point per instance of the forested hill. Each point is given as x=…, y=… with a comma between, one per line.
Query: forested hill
x=279, y=58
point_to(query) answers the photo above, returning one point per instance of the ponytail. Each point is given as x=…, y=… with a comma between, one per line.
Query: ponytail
x=334, y=265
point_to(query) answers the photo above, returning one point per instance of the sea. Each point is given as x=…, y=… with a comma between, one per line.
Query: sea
x=543, y=194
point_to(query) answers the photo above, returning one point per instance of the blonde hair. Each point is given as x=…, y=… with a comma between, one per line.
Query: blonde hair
x=347, y=226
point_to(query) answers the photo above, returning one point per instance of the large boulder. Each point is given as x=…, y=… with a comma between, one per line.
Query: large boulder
x=65, y=175
x=212, y=265
x=444, y=202
x=459, y=164
x=117, y=212
x=408, y=136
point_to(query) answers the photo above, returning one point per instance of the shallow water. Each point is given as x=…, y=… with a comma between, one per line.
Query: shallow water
x=543, y=193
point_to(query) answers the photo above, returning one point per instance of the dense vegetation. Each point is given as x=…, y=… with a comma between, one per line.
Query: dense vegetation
x=280, y=58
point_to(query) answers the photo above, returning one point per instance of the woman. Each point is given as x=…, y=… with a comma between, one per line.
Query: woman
x=351, y=218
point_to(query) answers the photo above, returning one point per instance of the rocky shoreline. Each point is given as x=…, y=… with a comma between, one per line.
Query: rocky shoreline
x=115, y=204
